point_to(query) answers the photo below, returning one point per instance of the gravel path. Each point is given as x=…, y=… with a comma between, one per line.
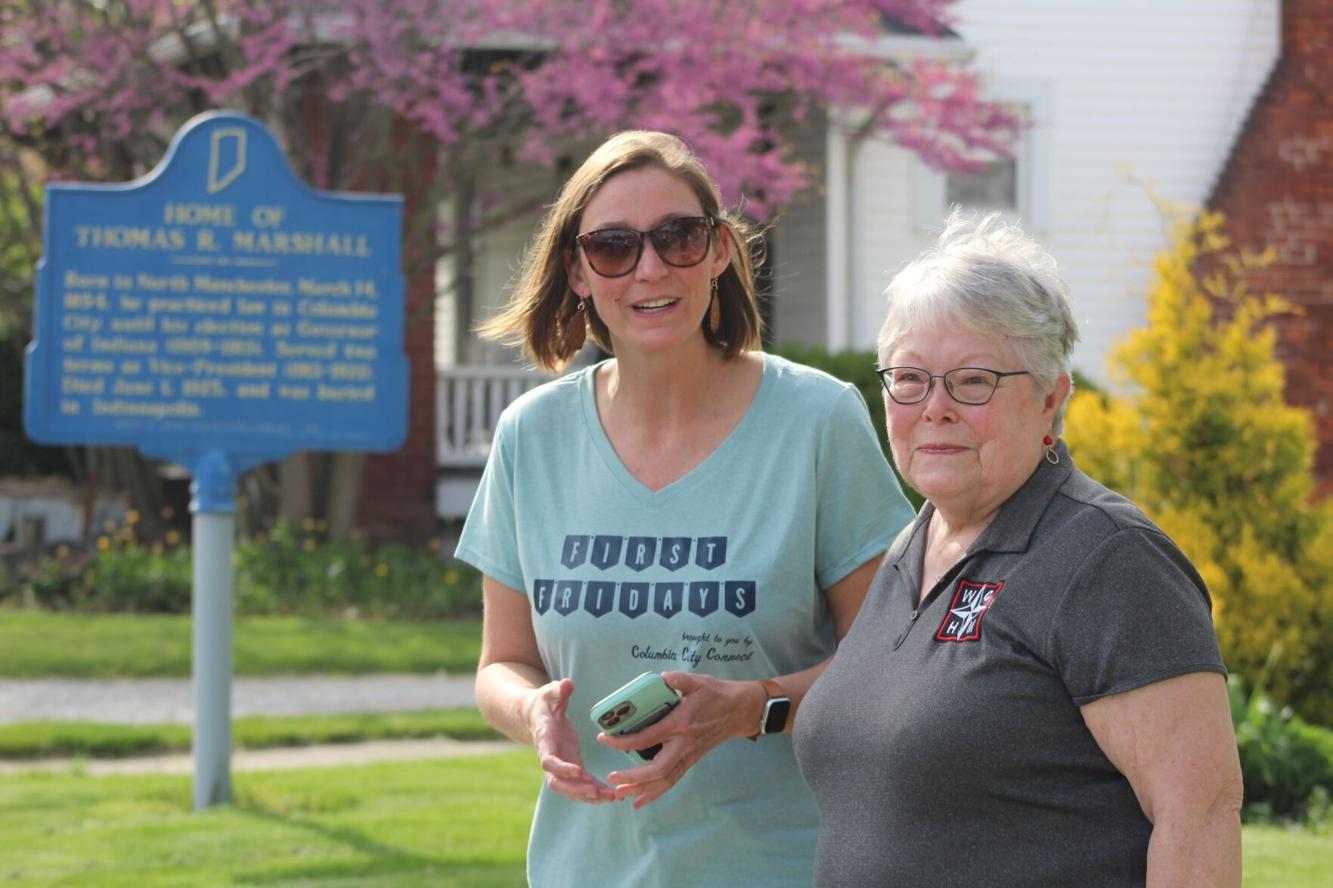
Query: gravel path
x=170, y=701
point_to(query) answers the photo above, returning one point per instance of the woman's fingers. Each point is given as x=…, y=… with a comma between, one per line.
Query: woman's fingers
x=571, y=779
x=702, y=721
x=648, y=782
x=581, y=789
x=643, y=793
x=555, y=766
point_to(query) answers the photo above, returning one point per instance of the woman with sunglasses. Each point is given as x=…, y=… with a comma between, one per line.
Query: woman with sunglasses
x=691, y=506
x=1032, y=693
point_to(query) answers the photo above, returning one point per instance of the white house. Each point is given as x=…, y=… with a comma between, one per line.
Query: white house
x=1133, y=102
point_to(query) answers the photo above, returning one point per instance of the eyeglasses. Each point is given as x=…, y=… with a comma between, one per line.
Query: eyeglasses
x=615, y=252
x=966, y=385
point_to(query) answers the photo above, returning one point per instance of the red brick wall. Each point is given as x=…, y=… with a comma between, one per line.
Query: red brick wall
x=398, y=488
x=1277, y=190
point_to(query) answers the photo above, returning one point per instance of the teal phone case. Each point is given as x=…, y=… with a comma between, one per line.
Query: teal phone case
x=638, y=703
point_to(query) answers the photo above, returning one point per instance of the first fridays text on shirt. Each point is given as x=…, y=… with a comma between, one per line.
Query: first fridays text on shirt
x=634, y=598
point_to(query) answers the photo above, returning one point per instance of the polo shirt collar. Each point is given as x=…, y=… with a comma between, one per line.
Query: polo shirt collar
x=1013, y=527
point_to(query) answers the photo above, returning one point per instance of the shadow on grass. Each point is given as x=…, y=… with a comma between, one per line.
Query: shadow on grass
x=388, y=865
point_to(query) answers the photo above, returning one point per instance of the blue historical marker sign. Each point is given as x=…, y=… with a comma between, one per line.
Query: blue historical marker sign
x=219, y=309
x=218, y=313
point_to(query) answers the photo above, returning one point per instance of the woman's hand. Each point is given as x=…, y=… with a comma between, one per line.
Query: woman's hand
x=558, y=745
x=711, y=711
x=518, y=698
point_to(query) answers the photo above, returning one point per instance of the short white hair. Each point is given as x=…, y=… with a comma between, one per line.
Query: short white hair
x=986, y=276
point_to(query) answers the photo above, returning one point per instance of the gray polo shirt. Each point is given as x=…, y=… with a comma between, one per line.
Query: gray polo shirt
x=945, y=745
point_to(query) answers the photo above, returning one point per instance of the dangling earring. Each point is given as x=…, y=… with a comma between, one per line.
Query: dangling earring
x=1051, y=456
x=715, y=311
x=576, y=330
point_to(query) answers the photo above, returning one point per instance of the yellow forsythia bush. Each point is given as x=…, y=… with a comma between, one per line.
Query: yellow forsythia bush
x=1202, y=440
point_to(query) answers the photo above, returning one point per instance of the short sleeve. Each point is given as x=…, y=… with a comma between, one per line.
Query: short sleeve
x=1136, y=612
x=489, y=541
x=861, y=507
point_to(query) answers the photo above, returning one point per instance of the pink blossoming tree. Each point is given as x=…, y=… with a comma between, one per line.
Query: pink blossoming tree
x=416, y=96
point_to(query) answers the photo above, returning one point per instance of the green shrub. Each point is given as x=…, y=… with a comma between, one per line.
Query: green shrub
x=139, y=579
x=1199, y=436
x=1287, y=764
x=296, y=572
x=47, y=583
x=287, y=572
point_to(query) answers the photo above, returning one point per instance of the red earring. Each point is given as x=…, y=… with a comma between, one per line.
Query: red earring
x=1048, y=440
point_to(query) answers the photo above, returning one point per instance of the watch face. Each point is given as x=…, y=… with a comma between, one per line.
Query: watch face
x=775, y=716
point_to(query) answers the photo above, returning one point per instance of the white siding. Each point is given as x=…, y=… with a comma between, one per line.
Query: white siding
x=882, y=230
x=1145, y=98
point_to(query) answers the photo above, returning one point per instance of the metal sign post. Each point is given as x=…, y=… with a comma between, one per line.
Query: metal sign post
x=213, y=508
x=211, y=675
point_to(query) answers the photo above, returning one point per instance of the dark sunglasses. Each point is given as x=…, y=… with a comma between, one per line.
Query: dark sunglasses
x=615, y=252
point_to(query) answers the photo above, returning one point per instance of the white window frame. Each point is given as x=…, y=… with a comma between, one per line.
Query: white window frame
x=1032, y=168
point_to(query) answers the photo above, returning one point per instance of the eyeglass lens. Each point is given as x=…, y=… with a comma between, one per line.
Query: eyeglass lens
x=967, y=385
x=615, y=252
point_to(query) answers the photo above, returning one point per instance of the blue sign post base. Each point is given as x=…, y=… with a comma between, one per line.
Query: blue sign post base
x=211, y=614
x=213, y=504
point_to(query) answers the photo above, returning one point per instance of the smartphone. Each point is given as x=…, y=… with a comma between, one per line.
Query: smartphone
x=641, y=702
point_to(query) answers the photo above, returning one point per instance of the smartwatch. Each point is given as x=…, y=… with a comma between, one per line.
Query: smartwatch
x=777, y=709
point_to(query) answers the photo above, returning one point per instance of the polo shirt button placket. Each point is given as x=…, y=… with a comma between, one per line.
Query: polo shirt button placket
x=902, y=636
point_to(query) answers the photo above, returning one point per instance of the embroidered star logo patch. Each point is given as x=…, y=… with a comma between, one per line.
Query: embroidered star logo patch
x=970, y=603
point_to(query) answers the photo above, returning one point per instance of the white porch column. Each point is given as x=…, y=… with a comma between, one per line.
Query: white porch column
x=838, y=250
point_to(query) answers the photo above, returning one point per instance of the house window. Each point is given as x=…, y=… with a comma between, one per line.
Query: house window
x=995, y=187
x=1017, y=186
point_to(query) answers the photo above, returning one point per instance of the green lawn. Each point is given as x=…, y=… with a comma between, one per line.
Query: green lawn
x=1284, y=858
x=38, y=644
x=453, y=823
x=458, y=823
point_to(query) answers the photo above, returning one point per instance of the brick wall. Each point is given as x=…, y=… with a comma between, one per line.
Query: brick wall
x=398, y=488
x=1277, y=190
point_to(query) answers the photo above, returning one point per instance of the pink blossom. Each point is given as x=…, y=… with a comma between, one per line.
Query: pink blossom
x=537, y=76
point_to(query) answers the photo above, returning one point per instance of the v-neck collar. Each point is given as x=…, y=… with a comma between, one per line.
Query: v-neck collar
x=632, y=485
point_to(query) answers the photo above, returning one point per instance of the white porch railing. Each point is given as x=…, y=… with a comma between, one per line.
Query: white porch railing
x=468, y=402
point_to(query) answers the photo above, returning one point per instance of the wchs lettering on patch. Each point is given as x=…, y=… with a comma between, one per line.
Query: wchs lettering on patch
x=969, y=605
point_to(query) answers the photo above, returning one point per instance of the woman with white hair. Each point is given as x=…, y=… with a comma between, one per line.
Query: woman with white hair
x=1032, y=693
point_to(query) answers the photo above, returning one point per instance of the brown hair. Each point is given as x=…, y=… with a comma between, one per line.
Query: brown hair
x=542, y=306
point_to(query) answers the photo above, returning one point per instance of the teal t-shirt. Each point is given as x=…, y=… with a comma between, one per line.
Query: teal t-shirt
x=720, y=572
